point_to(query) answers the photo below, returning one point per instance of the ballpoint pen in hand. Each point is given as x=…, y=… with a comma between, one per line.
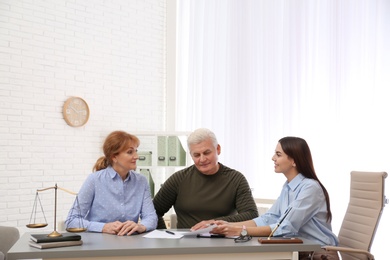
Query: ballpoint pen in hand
x=280, y=222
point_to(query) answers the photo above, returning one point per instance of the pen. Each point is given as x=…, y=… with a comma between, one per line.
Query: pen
x=280, y=222
x=169, y=232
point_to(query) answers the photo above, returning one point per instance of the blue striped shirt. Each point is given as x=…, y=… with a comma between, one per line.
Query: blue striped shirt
x=307, y=217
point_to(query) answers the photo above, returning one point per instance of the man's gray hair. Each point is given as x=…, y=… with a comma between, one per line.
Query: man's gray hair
x=200, y=135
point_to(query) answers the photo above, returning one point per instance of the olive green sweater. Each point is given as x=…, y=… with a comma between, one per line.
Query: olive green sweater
x=224, y=195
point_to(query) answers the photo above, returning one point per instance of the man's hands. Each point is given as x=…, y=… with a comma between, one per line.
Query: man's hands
x=123, y=228
x=203, y=224
x=221, y=227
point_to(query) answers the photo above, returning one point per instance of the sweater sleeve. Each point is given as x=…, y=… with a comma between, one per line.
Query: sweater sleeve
x=245, y=204
x=165, y=198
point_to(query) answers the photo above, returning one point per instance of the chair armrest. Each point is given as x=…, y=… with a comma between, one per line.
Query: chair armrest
x=349, y=250
x=173, y=219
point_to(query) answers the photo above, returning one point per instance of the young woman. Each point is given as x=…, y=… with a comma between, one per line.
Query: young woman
x=303, y=198
x=115, y=199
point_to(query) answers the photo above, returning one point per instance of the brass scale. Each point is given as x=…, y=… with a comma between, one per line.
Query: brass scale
x=37, y=201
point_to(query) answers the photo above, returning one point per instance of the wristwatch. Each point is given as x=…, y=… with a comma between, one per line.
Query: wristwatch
x=244, y=232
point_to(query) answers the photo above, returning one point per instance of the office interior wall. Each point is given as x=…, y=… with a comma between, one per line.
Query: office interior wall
x=111, y=53
x=170, y=96
x=256, y=71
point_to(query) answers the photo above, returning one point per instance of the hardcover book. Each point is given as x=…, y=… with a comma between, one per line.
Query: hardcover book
x=43, y=238
x=55, y=244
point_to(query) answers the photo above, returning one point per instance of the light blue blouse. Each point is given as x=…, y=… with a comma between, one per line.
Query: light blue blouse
x=307, y=217
x=105, y=197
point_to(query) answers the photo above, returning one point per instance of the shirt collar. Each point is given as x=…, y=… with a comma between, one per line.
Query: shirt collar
x=293, y=184
x=114, y=174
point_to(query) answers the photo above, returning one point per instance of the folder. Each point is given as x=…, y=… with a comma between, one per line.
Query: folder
x=280, y=240
x=148, y=175
x=176, y=152
x=144, y=158
x=162, y=151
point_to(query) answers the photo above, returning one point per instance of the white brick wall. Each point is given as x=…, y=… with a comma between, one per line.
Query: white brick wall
x=111, y=53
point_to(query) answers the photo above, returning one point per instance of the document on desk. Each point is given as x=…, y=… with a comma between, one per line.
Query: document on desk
x=177, y=234
x=196, y=232
x=162, y=234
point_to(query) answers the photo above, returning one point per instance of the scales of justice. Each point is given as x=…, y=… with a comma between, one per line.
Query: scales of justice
x=37, y=201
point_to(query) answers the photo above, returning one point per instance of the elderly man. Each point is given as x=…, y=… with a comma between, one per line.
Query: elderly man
x=206, y=191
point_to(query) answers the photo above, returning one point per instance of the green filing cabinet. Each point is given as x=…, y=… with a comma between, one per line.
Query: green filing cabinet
x=176, y=152
x=144, y=158
x=148, y=175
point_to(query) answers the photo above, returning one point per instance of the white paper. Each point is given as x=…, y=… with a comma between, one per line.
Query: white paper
x=162, y=234
x=177, y=234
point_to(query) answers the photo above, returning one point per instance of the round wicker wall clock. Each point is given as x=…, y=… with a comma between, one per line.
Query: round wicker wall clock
x=75, y=111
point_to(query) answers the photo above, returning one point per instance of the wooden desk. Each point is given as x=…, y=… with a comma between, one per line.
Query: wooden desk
x=104, y=246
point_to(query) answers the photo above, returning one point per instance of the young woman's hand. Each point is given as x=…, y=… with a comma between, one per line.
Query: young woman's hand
x=226, y=228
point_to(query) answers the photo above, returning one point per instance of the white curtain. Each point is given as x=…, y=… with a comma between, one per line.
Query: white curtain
x=254, y=71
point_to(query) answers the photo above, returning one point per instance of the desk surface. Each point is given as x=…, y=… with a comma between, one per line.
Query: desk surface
x=105, y=245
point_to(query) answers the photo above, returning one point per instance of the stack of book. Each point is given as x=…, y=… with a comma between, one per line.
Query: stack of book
x=43, y=241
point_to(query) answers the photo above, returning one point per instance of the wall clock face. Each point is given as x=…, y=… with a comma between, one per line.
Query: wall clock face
x=76, y=111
